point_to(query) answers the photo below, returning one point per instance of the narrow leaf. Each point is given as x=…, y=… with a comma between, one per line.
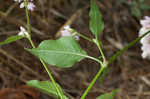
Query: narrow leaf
x=145, y=7
x=96, y=23
x=11, y=39
x=108, y=95
x=45, y=87
x=63, y=52
x=114, y=57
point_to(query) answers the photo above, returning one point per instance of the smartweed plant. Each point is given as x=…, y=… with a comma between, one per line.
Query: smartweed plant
x=65, y=51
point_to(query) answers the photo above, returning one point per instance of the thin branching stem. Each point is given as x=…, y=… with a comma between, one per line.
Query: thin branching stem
x=43, y=63
x=93, y=82
x=84, y=37
x=103, y=66
x=97, y=42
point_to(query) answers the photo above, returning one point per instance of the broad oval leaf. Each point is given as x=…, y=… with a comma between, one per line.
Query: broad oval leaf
x=46, y=87
x=63, y=52
x=11, y=39
x=96, y=23
x=108, y=95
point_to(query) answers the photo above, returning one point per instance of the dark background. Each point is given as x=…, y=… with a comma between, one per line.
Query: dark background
x=130, y=73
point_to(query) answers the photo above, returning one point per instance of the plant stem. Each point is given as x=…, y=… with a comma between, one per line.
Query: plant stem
x=84, y=37
x=27, y=16
x=43, y=63
x=103, y=66
x=93, y=82
x=52, y=79
x=93, y=58
x=97, y=42
x=48, y=71
x=114, y=57
x=31, y=42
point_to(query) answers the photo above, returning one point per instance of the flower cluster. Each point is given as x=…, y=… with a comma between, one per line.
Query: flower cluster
x=23, y=32
x=145, y=41
x=30, y=5
x=69, y=32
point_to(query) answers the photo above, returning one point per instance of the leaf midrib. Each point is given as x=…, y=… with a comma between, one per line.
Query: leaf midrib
x=71, y=53
x=63, y=52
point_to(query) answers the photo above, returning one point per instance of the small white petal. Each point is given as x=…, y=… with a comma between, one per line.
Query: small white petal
x=146, y=50
x=18, y=1
x=23, y=32
x=26, y=33
x=22, y=29
x=22, y=5
x=147, y=17
x=144, y=55
x=77, y=38
x=65, y=33
x=145, y=41
x=15, y=0
x=31, y=6
x=20, y=34
x=142, y=31
x=145, y=22
x=67, y=27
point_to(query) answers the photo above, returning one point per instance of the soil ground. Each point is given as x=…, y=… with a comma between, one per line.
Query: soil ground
x=129, y=73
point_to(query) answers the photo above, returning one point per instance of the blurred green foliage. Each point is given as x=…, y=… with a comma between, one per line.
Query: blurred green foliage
x=136, y=6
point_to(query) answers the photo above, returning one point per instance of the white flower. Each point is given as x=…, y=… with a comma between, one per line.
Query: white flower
x=145, y=41
x=146, y=51
x=30, y=6
x=18, y=1
x=22, y=5
x=67, y=27
x=68, y=32
x=77, y=38
x=23, y=32
x=65, y=33
x=146, y=22
x=21, y=0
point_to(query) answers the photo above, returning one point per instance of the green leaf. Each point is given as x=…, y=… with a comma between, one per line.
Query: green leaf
x=96, y=23
x=63, y=52
x=46, y=87
x=145, y=7
x=122, y=1
x=11, y=39
x=114, y=57
x=141, y=1
x=136, y=12
x=108, y=95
